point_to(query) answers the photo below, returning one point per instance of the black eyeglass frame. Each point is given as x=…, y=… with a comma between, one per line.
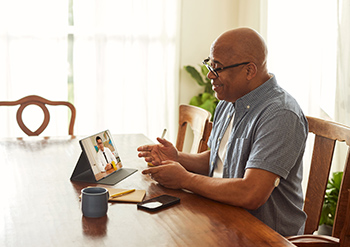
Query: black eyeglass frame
x=215, y=71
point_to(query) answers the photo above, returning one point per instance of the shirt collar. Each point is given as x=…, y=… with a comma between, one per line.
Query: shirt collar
x=257, y=96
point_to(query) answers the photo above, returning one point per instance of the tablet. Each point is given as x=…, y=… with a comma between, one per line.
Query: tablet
x=101, y=159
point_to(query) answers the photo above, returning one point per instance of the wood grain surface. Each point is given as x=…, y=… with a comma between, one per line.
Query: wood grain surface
x=40, y=206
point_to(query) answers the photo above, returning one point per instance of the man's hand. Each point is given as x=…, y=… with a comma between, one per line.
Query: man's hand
x=170, y=174
x=108, y=166
x=159, y=152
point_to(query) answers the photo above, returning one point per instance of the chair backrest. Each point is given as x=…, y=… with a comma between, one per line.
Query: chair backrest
x=345, y=233
x=327, y=133
x=198, y=119
x=41, y=102
x=342, y=214
x=207, y=131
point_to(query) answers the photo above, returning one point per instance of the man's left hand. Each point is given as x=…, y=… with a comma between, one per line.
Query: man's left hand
x=170, y=174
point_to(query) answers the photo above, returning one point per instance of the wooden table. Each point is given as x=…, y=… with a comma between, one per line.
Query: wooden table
x=40, y=206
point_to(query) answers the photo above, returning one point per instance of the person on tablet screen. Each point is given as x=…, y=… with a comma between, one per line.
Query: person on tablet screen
x=257, y=142
x=105, y=156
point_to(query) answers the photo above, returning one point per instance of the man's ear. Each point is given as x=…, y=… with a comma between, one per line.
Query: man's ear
x=252, y=70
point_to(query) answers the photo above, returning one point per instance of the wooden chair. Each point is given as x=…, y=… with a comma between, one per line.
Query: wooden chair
x=206, y=135
x=327, y=133
x=41, y=102
x=345, y=233
x=199, y=121
x=343, y=212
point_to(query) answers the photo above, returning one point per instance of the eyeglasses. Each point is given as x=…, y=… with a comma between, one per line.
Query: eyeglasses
x=215, y=71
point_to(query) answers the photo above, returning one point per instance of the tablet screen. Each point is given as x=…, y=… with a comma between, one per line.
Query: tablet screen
x=102, y=154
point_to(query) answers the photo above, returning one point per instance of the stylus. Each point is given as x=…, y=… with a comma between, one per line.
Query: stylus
x=123, y=193
x=163, y=134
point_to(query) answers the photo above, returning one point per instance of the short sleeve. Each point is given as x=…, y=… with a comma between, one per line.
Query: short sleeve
x=278, y=142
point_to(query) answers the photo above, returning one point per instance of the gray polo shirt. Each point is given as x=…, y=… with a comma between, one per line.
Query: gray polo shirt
x=269, y=132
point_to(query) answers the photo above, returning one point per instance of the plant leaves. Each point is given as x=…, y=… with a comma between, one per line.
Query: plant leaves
x=209, y=104
x=206, y=96
x=196, y=100
x=337, y=177
x=331, y=199
x=208, y=88
x=204, y=70
x=195, y=75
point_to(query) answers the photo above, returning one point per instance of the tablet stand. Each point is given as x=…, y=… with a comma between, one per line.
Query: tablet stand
x=83, y=173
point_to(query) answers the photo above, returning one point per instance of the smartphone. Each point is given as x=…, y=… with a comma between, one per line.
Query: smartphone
x=158, y=203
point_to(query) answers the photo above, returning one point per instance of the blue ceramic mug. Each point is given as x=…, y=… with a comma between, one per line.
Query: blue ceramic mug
x=94, y=201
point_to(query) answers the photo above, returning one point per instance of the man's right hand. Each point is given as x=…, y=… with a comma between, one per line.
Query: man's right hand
x=108, y=167
x=157, y=153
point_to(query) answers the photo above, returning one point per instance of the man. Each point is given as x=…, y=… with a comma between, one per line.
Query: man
x=258, y=138
x=104, y=156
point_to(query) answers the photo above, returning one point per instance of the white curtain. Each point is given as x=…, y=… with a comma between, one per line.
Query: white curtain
x=126, y=78
x=343, y=60
x=124, y=62
x=342, y=102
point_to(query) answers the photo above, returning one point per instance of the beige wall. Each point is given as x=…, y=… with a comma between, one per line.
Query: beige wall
x=201, y=22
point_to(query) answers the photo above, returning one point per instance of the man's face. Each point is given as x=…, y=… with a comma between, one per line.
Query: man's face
x=231, y=83
x=100, y=145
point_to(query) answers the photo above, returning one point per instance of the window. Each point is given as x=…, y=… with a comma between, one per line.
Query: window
x=115, y=60
x=302, y=40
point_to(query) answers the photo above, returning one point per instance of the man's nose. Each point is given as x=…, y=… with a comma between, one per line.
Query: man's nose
x=211, y=75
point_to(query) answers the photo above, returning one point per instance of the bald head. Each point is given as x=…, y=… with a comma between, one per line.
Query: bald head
x=242, y=53
x=241, y=45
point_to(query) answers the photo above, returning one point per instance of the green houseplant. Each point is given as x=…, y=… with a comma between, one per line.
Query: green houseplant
x=331, y=199
x=207, y=99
